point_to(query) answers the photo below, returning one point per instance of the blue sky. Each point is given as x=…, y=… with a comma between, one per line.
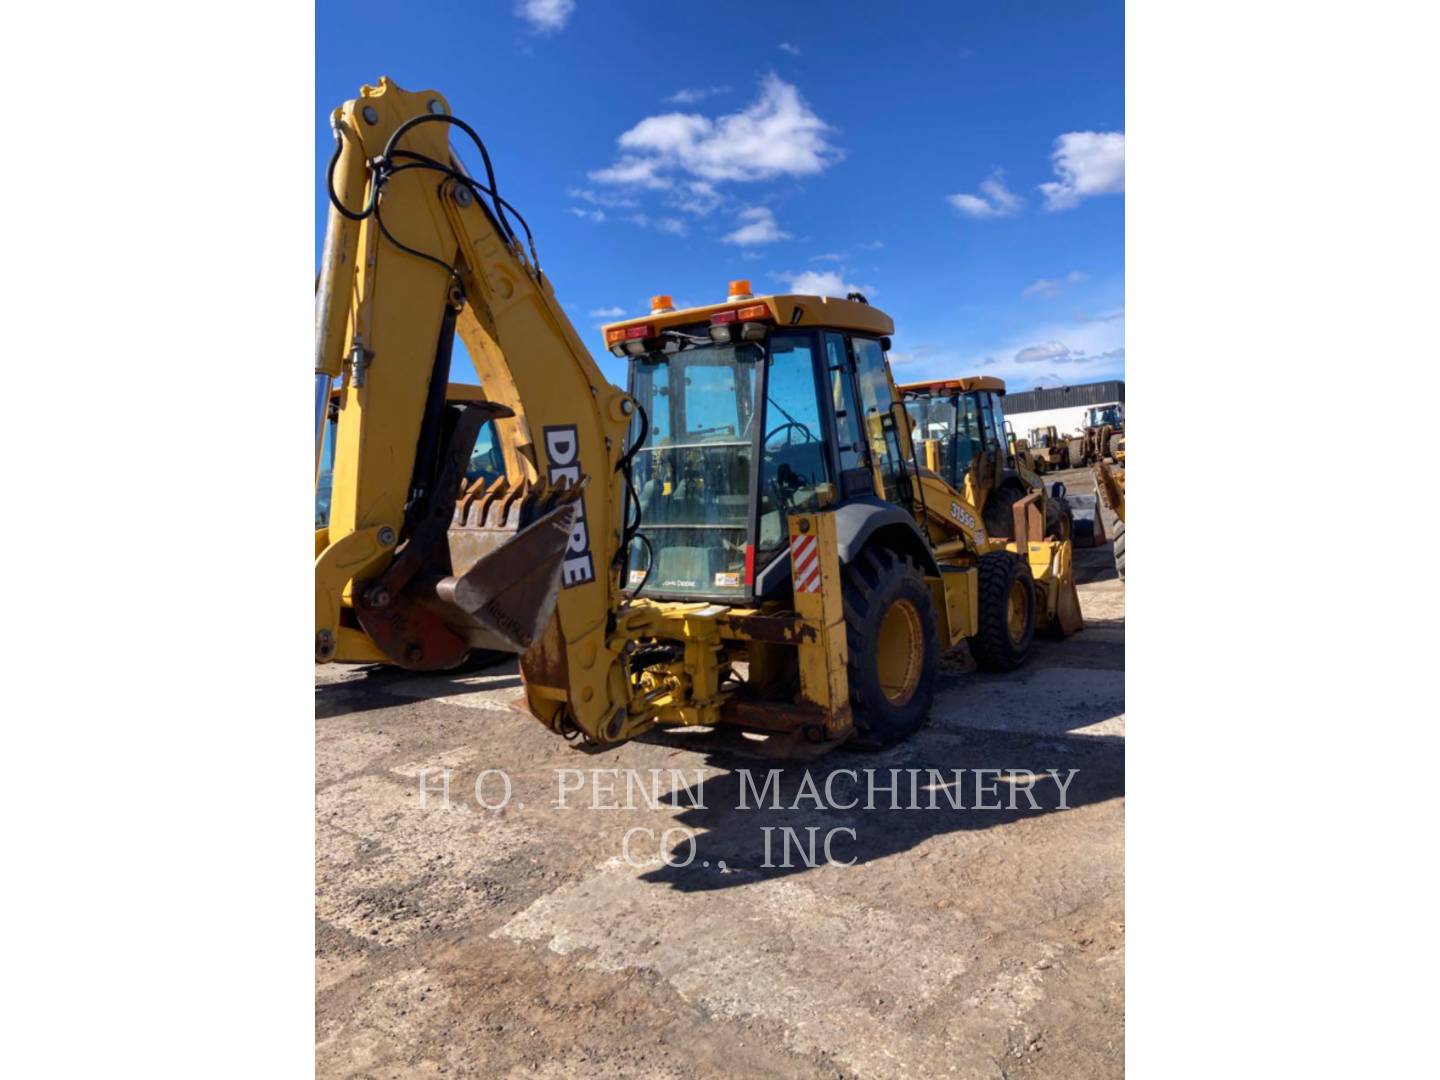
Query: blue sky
x=961, y=163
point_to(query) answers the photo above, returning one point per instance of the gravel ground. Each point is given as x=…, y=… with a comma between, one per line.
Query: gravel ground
x=457, y=940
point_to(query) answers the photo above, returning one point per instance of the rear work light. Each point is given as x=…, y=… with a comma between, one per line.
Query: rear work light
x=722, y=323
x=625, y=333
x=625, y=339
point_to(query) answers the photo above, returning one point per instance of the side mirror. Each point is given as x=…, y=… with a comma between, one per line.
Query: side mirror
x=885, y=344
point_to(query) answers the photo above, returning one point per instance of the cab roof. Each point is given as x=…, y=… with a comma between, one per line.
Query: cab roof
x=954, y=386
x=784, y=309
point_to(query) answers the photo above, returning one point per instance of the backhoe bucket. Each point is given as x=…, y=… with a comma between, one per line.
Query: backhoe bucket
x=478, y=572
x=488, y=581
x=506, y=549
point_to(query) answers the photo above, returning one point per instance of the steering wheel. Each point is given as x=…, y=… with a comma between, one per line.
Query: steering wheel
x=788, y=427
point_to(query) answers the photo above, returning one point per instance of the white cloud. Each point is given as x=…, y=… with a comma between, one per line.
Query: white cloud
x=1055, y=353
x=1051, y=287
x=638, y=172
x=998, y=201
x=672, y=225
x=829, y=256
x=1088, y=163
x=607, y=313
x=690, y=97
x=823, y=283
x=760, y=228
x=698, y=197
x=873, y=245
x=604, y=198
x=777, y=135
x=1051, y=351
x=546, y=16
x=786, y=47
x=596, y=216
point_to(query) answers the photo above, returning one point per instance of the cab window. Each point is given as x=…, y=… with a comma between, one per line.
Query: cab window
x=878, y=418
x=849, y=437
x=967, y=435
x=487, y=461
x=792, y=450
x=692, y=476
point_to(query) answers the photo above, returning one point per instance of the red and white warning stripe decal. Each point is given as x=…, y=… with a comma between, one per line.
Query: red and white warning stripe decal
x=805, y=562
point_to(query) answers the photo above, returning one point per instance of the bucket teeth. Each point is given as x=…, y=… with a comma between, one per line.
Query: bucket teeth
x=500, y=506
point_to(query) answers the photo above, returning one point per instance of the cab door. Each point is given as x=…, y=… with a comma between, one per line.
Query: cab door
x=881, y=429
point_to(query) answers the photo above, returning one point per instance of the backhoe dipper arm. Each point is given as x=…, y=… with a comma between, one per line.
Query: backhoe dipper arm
x=415, y=251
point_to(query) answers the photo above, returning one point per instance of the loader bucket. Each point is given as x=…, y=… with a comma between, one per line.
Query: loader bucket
x=1088, y=528
x=1067, y=618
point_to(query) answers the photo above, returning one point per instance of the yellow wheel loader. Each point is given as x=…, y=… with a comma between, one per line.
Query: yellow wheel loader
x=1047, y=450
x=740, y=537
x=1104, y=427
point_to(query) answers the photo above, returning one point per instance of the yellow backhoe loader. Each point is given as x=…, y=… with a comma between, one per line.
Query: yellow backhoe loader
x=964, y=441
x=740, y=537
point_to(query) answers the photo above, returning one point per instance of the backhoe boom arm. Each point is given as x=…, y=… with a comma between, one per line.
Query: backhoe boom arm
x=416, y=251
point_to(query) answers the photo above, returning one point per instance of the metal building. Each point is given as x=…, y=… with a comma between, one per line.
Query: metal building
x=1063, y=406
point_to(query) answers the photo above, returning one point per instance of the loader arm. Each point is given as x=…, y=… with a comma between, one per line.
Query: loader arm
x=408, y=571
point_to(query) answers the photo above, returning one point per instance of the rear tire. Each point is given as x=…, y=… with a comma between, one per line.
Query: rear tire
x=1120, y=549
x=1007, y=612
x=894, y=653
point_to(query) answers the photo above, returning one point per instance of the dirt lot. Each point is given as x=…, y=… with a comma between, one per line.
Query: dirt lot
x=461, y=941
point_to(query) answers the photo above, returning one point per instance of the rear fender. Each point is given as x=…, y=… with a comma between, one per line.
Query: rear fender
x=864, y=521
x=859, y=522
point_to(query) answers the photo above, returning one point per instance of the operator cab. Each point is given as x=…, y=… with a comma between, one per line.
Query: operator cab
x=961, y=422
x=756, y=408
x=1100, y=415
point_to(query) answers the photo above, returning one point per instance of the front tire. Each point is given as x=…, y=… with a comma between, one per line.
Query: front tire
x=1007, y=612
x=894, y=653
x=1120, y=549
